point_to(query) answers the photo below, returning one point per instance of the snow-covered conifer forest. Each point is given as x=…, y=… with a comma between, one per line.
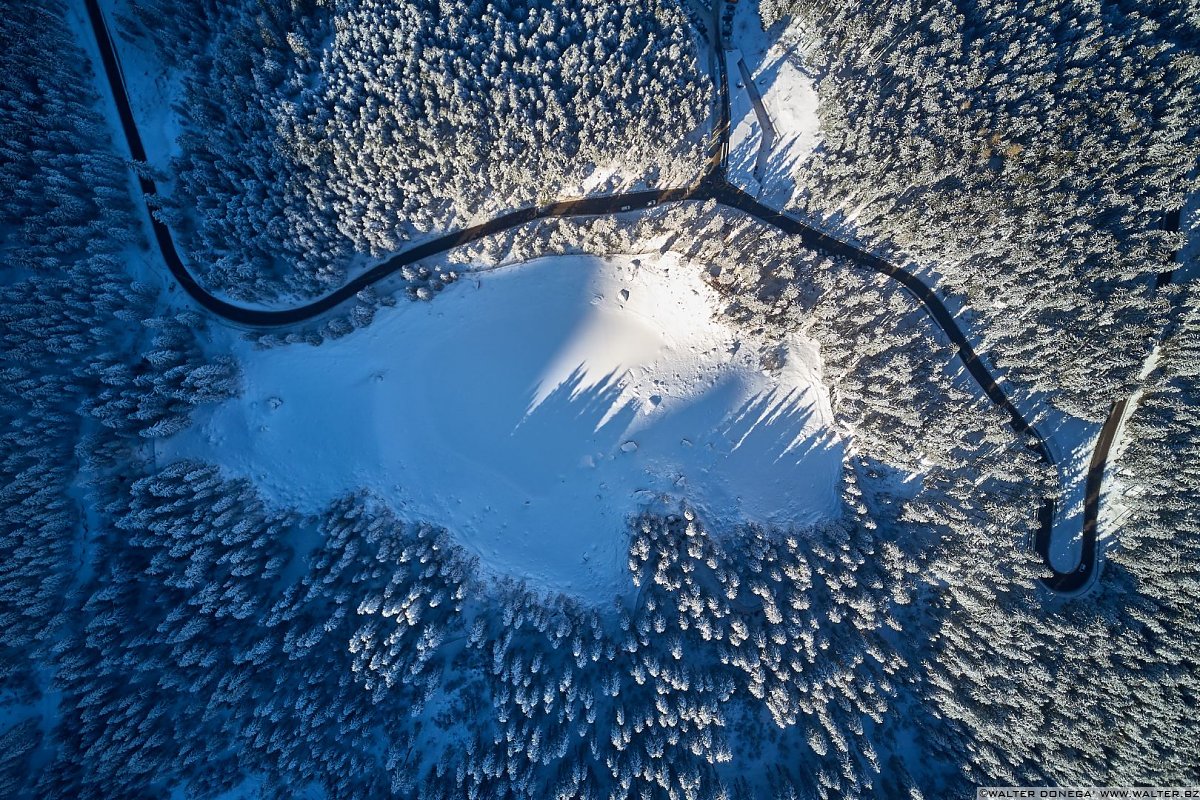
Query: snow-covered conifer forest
x=1027, y=150
x=347, y=452
x=325, y=130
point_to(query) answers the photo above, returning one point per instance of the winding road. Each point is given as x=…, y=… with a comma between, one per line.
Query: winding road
x=712, y=185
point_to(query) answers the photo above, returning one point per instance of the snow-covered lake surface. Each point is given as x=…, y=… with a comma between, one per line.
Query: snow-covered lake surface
x=531, y=409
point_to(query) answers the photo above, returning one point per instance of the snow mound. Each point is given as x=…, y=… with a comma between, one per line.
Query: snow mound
x=530, y=410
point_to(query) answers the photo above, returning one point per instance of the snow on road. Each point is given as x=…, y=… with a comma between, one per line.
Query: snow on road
x=531, y=409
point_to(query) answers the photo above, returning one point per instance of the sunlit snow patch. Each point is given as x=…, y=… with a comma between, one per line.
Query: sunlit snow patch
x=531, y=409
x=789, y=96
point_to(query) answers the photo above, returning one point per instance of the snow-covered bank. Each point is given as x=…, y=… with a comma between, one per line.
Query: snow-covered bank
x=531, y=409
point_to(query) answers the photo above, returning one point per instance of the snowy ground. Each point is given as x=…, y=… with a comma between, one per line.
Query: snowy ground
x=608, y=179
x=746, y=134
x=790, y=96
x=153, y=92
x=531, y=409
x=1071, y=442
x=1119, y=482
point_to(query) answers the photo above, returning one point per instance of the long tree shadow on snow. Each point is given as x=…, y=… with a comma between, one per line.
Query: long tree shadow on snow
x=575, y=421
x=785, y=468
x=774, y=426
